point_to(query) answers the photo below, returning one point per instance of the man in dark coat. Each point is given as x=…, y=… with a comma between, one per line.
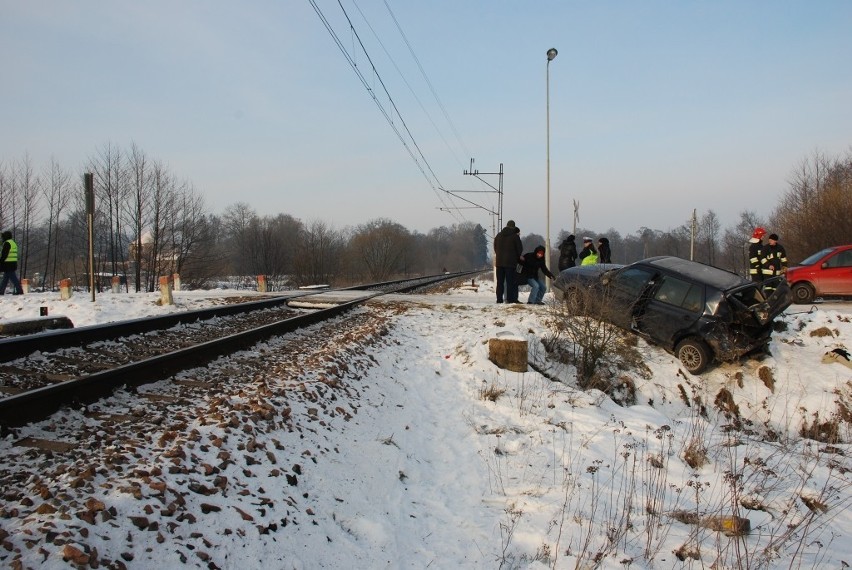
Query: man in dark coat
x=533, y=263
x=507, y=255
x=567, y=253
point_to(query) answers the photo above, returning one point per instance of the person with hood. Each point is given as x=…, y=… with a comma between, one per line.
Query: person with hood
x=9, y=264
x=508, y=252
x=567, y=253
x=604, y=252
x=756, y=257
x=533, y=263
x=589, y=255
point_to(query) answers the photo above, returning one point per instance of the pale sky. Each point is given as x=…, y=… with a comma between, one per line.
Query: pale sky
x=656, y=108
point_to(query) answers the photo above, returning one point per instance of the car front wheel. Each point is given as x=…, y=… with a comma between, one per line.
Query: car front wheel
x=694, y=355
x=803, y=293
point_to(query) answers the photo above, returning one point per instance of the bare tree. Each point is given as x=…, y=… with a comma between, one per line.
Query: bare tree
x=318, y=253
x=816, y=211
x=137, y=207
x=57, y=197
x=382, y=247
x=29, y=189
x=708, y=235
x=110, y=178
x=238, y=221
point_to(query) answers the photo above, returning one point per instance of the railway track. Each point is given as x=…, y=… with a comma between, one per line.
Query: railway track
x=39, y=374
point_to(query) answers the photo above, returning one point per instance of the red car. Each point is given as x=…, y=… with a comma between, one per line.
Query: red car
x=827, y=273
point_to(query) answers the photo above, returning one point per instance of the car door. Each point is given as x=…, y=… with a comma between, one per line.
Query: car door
x=835, y=278
x=674, y=306
x=625, y=290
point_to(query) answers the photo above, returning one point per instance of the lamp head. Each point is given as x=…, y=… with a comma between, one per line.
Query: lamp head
x=551, y=54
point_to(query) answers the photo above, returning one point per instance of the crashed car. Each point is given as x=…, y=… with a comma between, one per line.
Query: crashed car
x=698, y=312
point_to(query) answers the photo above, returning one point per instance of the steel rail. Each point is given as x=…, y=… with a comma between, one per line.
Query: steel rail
x=34, y=405
x=13, y=348
x=38, y=404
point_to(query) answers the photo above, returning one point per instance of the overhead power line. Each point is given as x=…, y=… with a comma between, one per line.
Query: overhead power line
x=421, y=162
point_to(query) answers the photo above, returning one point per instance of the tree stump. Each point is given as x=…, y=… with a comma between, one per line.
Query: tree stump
x=508, y=353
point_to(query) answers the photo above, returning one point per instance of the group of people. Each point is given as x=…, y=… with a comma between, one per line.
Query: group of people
x=589, y=255
x=765, y=260
x=515, y=268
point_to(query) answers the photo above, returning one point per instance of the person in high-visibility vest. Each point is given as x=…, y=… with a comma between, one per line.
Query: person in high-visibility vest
x=589, y=255
x=9, y=264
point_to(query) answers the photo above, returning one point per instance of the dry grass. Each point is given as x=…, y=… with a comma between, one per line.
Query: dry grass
x=490, y=392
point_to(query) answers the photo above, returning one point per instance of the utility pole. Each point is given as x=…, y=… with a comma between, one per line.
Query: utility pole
x=498, y=190
x=692, y=238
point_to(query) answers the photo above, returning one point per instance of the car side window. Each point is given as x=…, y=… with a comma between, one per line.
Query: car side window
x=842, y=259
x=680, y=293
x=632, y=281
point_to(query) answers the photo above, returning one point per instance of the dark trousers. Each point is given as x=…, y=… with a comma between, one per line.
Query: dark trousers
x=507, y=282
x=16, y=284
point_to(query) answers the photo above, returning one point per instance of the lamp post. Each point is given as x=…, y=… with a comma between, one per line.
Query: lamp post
x=551, y=54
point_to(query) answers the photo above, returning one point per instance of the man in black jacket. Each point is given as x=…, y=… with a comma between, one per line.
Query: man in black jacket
x=507, y=255
x=533, y=263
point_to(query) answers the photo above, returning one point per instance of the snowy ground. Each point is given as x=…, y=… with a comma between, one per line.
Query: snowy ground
x=426, y=470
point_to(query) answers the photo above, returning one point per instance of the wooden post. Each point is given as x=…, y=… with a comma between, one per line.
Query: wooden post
x=261, y=283
x=25, y=285
x=116, y=284
x=64, y=289
x=166, y=292
x=176, y=281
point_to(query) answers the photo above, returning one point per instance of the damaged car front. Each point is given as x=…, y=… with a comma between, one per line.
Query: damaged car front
x=744, y=318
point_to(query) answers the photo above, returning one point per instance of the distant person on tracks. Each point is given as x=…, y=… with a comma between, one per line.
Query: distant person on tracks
x=9, y=265
x=508, y=252
x=533, y=263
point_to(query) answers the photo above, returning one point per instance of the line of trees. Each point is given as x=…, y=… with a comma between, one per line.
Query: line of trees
x=815, y=212
x=149, y=223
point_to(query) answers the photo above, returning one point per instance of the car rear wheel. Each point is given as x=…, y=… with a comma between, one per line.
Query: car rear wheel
x=803, y=293
x=694, y=355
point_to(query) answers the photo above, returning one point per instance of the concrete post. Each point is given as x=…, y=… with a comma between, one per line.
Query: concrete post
x=166, y=292
x=25, y=285
x=116, y=284
x=176, y=281
x=64, y=289
x=261, y=283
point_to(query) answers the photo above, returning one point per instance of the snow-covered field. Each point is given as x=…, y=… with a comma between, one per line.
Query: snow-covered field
x=451, y=462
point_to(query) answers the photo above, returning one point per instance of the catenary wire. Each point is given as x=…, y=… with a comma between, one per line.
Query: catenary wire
x=433, y=180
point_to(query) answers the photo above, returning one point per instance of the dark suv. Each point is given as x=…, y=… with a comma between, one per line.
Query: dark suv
x=696, y=311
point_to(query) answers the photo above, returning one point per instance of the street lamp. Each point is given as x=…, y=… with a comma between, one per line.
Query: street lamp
x=551, y=54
